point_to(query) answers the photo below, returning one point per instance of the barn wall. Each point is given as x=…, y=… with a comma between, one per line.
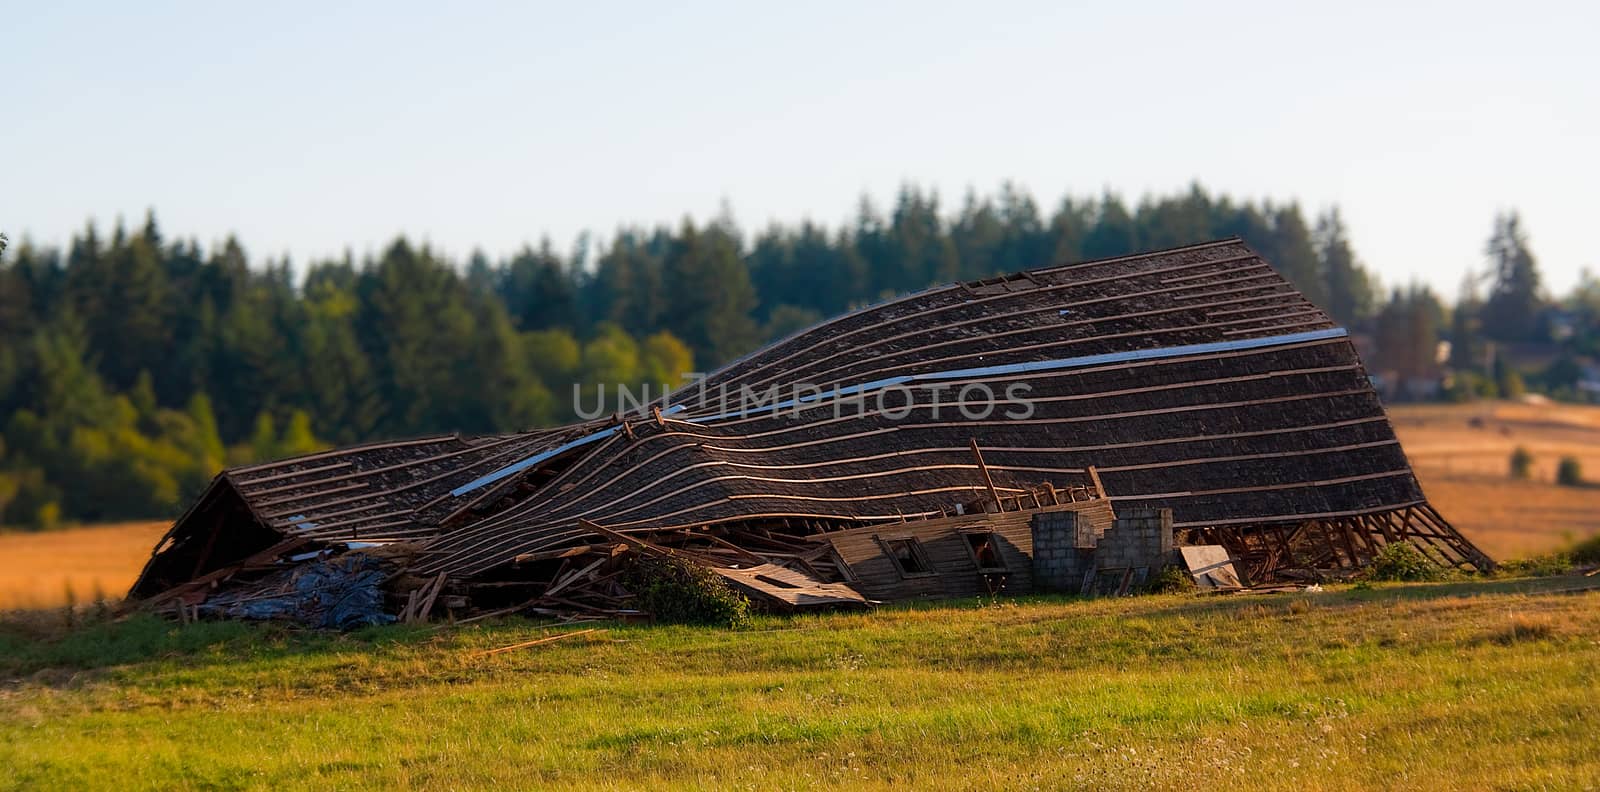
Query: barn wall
x=954, y=571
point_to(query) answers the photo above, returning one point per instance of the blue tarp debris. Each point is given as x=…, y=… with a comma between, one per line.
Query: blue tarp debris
x=340, y=593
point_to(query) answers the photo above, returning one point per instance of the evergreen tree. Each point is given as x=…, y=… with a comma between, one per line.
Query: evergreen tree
x=1290, y=251
x=337, y=378
x=1113, y=232
x=627, y=286
x=538, y=291
x=1512, y=310
x=1170, y=222
x=1466, y=329
x=709, y=295
x=1347, y=284
x=1069, y=230
x=1407, y=334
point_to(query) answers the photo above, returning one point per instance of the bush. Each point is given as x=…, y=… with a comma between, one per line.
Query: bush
x=1570, y=472
x=1401, y=561
x=1171, y=580
x=682, y=592
x=1510, y=384
x=1545, y=565
x=47, y=517
x=1466, y=386
x=1586, y=551
x=1521, y=463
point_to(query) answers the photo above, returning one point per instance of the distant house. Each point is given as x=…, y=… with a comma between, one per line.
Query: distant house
x=1589, y=379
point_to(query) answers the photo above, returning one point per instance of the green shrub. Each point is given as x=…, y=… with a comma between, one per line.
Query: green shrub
x=1171, y=580
x=1538, y=566
x=1570, y=472
x=682, y=592
x=1466, y=386
x=1587, y=551
x=1521, y=463
x=1512, y=387
x=47, y=517
x=1401, y=561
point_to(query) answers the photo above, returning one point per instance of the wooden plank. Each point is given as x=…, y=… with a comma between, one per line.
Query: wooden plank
x=570, y=579
x=1099, y=488
x=411, y=606
x=552, y=555
x=427, y=603
x=536, y=642
x=1211, y=566
x=987, y=479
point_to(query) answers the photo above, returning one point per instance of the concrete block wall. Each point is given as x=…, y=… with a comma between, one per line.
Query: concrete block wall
x=1058, y=561
x=1140, y=538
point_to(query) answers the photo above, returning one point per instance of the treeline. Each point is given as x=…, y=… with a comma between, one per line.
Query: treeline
x=1502, y=338
x=134, y=365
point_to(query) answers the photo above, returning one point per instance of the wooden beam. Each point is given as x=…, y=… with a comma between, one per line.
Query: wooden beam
x=570, y=579
x=987, y=479
x=427, y=603
x=1100, y=489
x=536, y=642
x=552, y=555
x=211, y=543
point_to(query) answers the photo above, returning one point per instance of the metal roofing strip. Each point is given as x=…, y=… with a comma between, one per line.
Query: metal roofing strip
x=1138, y=354
x=518, y=467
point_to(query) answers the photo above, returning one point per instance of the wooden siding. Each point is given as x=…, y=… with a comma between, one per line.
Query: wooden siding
x=954, y=572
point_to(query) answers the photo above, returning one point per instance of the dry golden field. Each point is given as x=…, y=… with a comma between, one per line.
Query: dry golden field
x=1460, y=453
x=38, y=569
x=1462, y=456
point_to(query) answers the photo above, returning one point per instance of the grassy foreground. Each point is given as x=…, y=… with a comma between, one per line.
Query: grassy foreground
x=1481, y=685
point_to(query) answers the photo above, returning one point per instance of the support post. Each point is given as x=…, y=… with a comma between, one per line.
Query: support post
x=987, y=479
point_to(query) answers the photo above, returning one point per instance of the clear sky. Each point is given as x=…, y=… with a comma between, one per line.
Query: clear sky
x=309, y=128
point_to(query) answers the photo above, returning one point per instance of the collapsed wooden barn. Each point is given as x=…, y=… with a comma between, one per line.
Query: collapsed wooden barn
x=1195, y=381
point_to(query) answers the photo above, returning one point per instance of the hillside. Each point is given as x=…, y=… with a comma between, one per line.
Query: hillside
x=1434, y=687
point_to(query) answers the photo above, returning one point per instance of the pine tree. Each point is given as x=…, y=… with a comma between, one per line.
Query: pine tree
x=627, y=285
x=1466, y=327
x=538, y=291
x=709, y=295
x=1113, y=232
x=1069, y=228
x=1348, y=286
x=1291, y=252
x=1512, y=310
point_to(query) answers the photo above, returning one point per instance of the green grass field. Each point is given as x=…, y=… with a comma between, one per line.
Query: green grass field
x=1465, y=685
